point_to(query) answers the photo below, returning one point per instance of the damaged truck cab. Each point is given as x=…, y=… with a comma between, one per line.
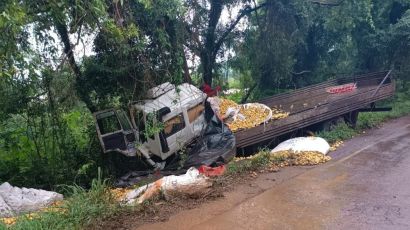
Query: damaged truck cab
x=161, y=125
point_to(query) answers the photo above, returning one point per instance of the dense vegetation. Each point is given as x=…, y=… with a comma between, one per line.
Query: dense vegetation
x=62, y=60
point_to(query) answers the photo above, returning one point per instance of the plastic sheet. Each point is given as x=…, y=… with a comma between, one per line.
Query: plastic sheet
x=215, y=147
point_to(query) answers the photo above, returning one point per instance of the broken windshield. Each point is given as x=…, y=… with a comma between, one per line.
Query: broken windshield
x=108, y=122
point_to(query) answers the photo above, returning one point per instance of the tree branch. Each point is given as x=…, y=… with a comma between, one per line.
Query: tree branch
x=324, y=3
x=194, y=47
x=61, y=28
x=301, y=72
x=244, y=12
x=248, y=93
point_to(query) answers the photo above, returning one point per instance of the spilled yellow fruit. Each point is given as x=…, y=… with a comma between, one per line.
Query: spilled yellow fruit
x=253, y=116
x=120, y=193
x=9, y=220
x=303, y=158
x=57, y=206
x=336, y=145
x=225, y=104
x=278, y=113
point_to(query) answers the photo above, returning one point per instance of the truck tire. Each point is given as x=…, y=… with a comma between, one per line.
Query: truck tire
x=330, y=124
x=351, y=118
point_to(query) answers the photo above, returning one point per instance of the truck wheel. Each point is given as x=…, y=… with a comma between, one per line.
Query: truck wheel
x=330, y=124
x=351, y=118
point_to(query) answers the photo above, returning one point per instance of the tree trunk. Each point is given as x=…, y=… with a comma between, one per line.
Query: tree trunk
x=207, y=66
x=208, y=53
x=187, y=76
x=212, y=44
x=68, y=50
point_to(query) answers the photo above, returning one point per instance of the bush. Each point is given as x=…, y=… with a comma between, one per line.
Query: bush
x=340, y=132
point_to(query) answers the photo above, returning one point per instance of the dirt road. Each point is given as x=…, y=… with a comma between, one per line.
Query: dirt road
x=365, y=186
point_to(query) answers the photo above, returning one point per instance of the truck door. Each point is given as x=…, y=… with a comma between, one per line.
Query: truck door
x=175, y=132
x=115, y=132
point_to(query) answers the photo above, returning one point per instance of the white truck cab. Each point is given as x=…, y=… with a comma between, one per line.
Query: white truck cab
x=177, y=113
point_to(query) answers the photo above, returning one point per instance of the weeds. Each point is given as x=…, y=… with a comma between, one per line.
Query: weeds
x=339, y=132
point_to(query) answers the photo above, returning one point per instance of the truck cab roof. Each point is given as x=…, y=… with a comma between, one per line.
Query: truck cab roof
x=184, y=95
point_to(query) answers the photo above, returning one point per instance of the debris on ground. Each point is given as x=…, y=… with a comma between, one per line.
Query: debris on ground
x=119, y=194
x=304, y=158
x=212, y=171
x=191, y=184
x=250, y=157
x=12, y=220
x=304, y=144
x=54, y=207
x=278, y=114
x=15, y=200
x=9, y=220
x=336, y=145
x=137, y=177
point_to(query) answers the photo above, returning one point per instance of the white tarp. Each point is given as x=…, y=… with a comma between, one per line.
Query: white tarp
x=15, y=200
x=303, y=144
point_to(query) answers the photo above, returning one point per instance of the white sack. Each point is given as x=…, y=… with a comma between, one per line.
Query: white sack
x=22, y=200
x=302, y=144
x=191, y=183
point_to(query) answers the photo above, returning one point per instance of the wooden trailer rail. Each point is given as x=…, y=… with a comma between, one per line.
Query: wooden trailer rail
x=312, y=105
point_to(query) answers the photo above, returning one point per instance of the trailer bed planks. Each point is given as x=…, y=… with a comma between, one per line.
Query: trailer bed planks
x=311, y=105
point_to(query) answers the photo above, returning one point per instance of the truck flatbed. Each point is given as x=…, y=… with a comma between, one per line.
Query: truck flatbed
x=314, y=104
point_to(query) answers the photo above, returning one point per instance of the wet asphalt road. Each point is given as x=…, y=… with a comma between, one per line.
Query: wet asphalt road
x=365, y=186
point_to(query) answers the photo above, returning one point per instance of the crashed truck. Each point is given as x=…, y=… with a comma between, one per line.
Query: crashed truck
x=177, y=111
x=180, y=110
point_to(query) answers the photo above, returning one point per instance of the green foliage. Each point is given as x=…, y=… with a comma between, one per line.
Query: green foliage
x=43, y=152
x=152, y=126
x=13, y=18
x=137, y=49
x=339, y=132
x=400, y=107
x=236, y=97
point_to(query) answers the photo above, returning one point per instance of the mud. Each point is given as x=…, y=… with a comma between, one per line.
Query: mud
x=227, y=193
x=364, y=187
